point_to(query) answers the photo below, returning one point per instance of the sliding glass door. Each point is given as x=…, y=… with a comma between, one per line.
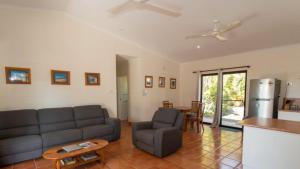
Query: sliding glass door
x=209, y=83
x=233, y=98
x=228, y=101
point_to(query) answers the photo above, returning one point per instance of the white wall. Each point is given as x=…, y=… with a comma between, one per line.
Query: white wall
x=282, y=63
x=44, y=40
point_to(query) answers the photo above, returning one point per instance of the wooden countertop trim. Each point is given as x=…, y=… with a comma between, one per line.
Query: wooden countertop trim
x=273, y=124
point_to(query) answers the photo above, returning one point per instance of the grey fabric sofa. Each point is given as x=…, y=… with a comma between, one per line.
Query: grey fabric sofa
x=57, y=127
x=19, y=136
x=161, y=136
x=25, y=134
x=95, y=123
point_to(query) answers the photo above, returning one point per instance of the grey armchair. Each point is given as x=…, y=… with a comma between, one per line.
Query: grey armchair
x=161, y=136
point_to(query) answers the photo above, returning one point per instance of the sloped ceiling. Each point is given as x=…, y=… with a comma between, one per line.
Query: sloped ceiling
x=268, y=23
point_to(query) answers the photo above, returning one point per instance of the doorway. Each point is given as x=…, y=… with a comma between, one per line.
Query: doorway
x=122, y=88
x=230, y=97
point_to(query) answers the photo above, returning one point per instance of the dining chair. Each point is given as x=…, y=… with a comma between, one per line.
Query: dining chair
x=165, y=104
x=197, y=113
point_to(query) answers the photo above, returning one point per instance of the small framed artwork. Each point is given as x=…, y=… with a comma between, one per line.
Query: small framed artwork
x=92, y=79
x=15, y=75
x=59, y=77
x=172, y=83
x=161, y=82
x=148, y=81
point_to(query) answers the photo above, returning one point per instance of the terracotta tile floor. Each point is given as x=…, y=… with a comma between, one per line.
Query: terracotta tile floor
x=215, y=149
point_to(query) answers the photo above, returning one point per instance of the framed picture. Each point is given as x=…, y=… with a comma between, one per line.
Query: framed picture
x=161, y=82
x=172, y=83
x=59, y=77
x=148, y=81
x=92, y=79
x=15, y=75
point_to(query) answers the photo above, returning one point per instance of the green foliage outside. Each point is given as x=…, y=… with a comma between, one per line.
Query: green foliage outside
x=233, y=93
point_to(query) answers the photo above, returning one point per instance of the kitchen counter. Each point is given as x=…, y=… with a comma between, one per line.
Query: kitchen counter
x=289, y=115
x=273, y=124
x=271, y=144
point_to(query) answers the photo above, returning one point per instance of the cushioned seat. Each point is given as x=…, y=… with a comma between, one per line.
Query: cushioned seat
x=146, y=136
x=95, y=123
x=161, y=136
x=97, y=131
x=52, y=139
x=57, y=127
x=21, y=144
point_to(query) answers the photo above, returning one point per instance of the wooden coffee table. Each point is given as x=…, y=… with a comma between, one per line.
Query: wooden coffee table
x=54, y=155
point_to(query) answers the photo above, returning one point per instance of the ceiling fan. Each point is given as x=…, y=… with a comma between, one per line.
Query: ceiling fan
x=218, y=30
x=142, y=5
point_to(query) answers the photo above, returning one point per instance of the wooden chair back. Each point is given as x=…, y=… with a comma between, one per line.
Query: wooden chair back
x=198, y=109
x=195, y=107
x=166, y=104
x=201, y=111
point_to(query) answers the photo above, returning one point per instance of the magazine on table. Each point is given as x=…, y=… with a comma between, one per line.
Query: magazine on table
x=72, y=148
x=86, y=144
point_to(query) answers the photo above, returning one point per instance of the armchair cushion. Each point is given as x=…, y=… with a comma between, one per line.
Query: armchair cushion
x=146, y=136
x=164, y=118
x=162, y=139
x=139, y=126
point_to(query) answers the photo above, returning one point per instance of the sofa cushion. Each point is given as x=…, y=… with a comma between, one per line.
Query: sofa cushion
x=25, y=124
x=61, y=137
x=89, y=115
x=97, y=131
x=21, y=144
x=56, y=119
x=164, y=118
x=145, y=136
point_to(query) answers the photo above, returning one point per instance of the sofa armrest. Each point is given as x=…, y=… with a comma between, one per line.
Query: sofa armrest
x=139, y=126
x=167, y=140
x=115, y=123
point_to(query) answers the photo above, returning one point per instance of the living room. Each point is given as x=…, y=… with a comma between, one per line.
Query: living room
x=68, y=52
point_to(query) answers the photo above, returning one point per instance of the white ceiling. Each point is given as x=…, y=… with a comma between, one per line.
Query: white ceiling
x=270, y=23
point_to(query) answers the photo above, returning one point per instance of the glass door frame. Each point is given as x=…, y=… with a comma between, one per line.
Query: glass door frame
x=218, y=74
x=245, y=97
x=201, y=91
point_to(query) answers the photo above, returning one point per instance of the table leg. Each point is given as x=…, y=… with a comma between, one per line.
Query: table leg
x=185, y=122
x=57, y=164
x=102, y=158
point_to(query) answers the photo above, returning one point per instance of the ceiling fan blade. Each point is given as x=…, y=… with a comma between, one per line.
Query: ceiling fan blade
x=161, y=10
x=130, y=4
x=193, y=37
x=231, y=26
x=221, y=38
x=211, y=33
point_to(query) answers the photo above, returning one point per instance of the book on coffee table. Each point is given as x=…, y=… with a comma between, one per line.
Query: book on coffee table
x=89, y=156
x=68, y=161
x=71, y=148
